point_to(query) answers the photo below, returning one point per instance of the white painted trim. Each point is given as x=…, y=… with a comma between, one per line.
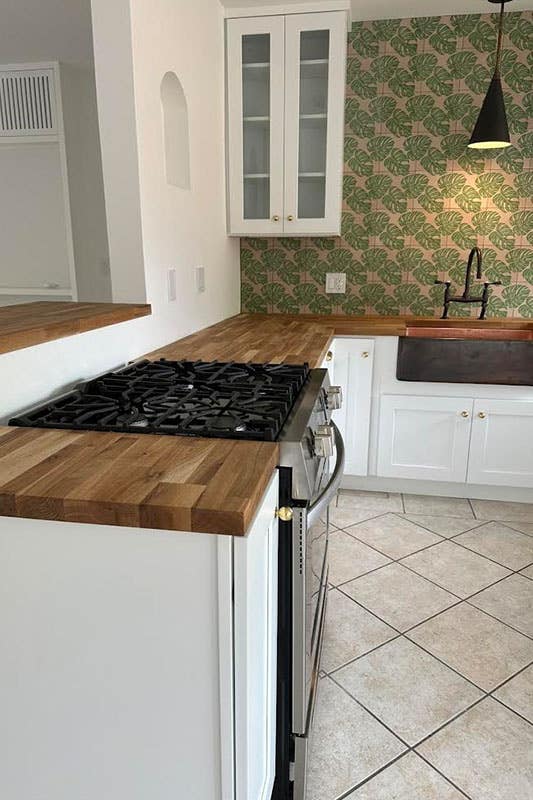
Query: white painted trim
x=64, y=177
x=255, y=570
x=226, y=666
x=286, y=10
x=440, y=488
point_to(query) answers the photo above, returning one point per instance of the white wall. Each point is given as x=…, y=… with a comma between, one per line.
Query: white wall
x=52, y=30
x=118, y=138
x=184, y=228
x=180, y=228
x=86, y=183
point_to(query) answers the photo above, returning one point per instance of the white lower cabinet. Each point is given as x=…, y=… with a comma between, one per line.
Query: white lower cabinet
x=501, y=451
x=456, y=439
x=138, y=663
x=424, y=437
x=353, y=368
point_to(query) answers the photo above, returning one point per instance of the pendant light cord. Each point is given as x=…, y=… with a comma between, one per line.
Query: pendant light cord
x=500, y=42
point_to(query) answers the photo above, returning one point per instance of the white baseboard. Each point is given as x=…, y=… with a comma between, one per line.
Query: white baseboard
x=439, y=488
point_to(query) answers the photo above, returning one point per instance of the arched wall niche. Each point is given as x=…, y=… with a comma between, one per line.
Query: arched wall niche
x=175, y=132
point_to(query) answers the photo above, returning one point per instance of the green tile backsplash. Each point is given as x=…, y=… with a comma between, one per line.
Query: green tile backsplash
x=415, y=199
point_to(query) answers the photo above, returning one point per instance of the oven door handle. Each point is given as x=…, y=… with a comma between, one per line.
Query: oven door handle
x=324, y=499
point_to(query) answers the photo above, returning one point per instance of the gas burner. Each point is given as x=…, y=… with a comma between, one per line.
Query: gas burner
x=187, y=398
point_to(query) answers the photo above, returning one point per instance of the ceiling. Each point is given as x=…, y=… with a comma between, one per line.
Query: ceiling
x=45, y=30
x=387, y=9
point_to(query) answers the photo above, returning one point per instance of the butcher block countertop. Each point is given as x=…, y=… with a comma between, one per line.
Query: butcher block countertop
x=28, y=324
x=166, y=482
x=140, y=481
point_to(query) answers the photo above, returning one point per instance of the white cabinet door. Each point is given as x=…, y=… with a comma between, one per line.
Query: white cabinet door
x=354, y=360
x=255, y=103
x=315, y=67
x=424, y=437
x=255, y=653
x=501, y=451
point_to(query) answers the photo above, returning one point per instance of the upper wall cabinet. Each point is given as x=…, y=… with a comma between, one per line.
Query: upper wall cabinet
x=285, y=95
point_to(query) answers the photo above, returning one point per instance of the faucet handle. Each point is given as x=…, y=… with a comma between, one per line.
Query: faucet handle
x=493, y=283
x=443, y=283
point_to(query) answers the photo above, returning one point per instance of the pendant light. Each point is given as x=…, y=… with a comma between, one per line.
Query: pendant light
x=491, y=129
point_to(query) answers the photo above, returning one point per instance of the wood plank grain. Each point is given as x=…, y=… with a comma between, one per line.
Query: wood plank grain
x=163, y=482
x=28, y=324
x=174, y=482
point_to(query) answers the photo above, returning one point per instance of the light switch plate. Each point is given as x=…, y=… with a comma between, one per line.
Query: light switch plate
x=199, y=278
x=336, y=283
x=171, y=286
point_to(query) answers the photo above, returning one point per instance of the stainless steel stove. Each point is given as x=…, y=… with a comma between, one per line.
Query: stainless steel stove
x=288, y=403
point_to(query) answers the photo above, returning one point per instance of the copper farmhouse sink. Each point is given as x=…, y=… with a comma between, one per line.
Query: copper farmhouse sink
x=493, y=329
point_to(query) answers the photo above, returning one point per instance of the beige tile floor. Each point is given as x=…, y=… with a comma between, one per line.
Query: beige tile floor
x=427, y=683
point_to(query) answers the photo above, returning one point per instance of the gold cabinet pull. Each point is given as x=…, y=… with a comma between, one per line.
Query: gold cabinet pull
x=329, y=356
x=290, y=218
x=465, y=414
x=285, y=514
x=275, y=218
x=366, y=354
x=482, y=415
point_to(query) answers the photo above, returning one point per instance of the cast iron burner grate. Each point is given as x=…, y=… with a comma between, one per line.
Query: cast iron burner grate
x=187, y=398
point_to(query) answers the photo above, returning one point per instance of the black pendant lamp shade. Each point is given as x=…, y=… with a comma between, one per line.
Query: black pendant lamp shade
x=492, y=129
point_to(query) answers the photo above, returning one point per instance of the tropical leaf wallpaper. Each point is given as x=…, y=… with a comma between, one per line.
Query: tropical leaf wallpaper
x=415, y=199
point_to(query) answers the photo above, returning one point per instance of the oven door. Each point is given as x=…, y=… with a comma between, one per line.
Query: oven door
x=310, y=577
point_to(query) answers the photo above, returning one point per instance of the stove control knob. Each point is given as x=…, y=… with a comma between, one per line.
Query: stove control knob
x=334, y=395
x=324, y=441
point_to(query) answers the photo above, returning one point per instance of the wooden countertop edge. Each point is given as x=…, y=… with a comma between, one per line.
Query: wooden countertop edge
x=144, y=481
x=70, y=319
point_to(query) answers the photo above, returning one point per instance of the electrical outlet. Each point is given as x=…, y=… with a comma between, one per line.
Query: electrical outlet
x=336, y=283
x=171, y=286
x=199, y=278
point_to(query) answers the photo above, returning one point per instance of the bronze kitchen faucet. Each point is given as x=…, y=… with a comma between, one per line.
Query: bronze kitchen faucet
x=466, y=296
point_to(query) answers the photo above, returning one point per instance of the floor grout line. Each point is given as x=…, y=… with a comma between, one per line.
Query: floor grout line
x=372, y=775
x=443, y=539
x=509, y=708
x=429, y=580
x=442, y=774
x=508, y=624
x=333, y=673
x=391, y=730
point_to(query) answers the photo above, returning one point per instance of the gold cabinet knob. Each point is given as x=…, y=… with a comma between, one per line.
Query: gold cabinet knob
x=285, y=514
x=275, y=218
x=482, y=415
x=366, y=354
x=465, y=414
x=329, y=356
x=290, y=218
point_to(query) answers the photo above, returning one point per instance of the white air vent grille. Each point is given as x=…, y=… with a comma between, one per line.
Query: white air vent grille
x=27, y=102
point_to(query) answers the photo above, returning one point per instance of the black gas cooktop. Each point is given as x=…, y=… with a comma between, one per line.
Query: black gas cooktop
x=187, y=398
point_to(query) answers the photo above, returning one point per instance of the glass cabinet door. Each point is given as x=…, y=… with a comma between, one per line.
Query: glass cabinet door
x=314, y=122
x=255, y=117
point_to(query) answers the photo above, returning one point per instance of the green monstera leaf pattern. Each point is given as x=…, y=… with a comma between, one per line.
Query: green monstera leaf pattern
x=415, y=198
